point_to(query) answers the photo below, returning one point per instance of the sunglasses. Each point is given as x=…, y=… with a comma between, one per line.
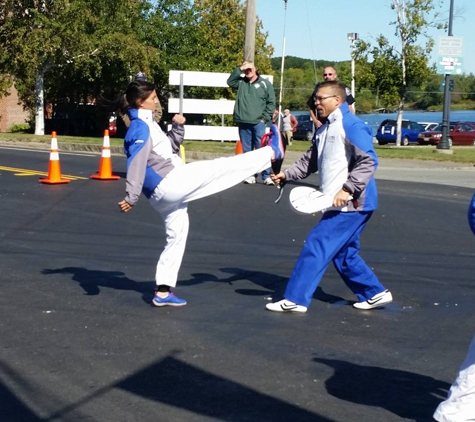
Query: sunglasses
x=327, y=74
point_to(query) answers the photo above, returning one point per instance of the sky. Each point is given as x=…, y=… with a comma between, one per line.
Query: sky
x=317, y=29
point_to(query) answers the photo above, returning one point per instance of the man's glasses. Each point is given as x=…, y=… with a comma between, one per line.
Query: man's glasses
x=320, y=99
x=327, y=74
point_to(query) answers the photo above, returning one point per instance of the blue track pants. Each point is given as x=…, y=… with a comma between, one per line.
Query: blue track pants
x=336, y=237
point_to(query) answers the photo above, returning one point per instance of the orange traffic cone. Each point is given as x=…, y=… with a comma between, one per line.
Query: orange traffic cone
x=54, y=168
x=238, y=147
x=105, y=167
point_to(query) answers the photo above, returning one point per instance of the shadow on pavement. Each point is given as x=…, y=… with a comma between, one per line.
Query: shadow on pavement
x=184, y=386
x=274, y=284
x=92, y=280
x=408, y=395
x=12, y=407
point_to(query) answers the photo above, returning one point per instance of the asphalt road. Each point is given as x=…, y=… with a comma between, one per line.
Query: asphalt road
x=81, y=342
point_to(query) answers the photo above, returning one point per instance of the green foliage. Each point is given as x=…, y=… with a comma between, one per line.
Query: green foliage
x=20, y=127
x=88, y=47
x=387, y=69
x=80, y=46
x=299, y=81
x=5, y=83
x=204, y=35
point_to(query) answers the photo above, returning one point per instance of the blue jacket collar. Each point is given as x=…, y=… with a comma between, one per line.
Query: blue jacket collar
x=340, y=111
x=135, y=113
x=344, y=108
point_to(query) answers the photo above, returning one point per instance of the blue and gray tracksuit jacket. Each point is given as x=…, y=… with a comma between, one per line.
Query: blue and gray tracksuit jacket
x=151, y=154
x=471, y=214
x=342, y=152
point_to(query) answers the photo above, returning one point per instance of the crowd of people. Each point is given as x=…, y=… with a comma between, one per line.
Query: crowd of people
x=341, y=152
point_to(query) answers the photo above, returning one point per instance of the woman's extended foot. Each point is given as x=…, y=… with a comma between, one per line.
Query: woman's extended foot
x=169, y=300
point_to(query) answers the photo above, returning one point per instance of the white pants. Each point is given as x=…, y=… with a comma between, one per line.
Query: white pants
x=460, y=403
x=190, y=182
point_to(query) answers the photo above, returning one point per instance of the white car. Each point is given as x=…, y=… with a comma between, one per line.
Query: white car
x=429, y=125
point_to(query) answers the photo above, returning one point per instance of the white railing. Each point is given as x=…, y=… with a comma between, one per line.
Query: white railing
x=196, y=106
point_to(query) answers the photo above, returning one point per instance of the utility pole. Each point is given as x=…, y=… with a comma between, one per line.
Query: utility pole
x=282, y=66
x=353, y=36
x=250, y=34
x=444, y=143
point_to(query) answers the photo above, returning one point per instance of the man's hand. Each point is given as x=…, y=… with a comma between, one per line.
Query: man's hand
x=179, y=119
x=124, y=206
x=246, y=65
x=341, y=198
x=278, y=178
x=318, y=123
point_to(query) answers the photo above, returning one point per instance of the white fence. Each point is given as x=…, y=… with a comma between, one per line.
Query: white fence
x=197, y=106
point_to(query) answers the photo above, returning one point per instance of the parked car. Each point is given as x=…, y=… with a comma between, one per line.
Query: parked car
x=429, y=125
x=305, y=128
x=113, y=125
x=460, y=133
x=387, y=132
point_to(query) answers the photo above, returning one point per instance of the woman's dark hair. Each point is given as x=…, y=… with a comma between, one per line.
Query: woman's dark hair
x=136, y=91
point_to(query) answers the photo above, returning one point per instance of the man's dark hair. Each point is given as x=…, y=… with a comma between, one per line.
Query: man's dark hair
x=337, y=88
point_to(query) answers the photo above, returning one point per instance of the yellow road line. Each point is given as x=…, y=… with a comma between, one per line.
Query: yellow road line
x=26, y=172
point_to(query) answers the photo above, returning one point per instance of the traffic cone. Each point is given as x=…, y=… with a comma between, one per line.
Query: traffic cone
x=54, y=168
x=105, y=166
x=238, y=147
x=182, y=154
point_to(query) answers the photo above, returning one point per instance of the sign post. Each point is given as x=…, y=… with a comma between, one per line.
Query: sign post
x=449, y=62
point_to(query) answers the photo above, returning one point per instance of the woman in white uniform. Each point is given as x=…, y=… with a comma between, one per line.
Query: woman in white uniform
x=155, y=169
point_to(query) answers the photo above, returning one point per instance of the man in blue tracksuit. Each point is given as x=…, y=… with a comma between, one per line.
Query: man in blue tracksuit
x=342, y=152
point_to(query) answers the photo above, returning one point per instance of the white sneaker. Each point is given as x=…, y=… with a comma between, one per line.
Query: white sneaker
x=269, y=182
x=250, y=180
x=285, y=305
x=376, y=301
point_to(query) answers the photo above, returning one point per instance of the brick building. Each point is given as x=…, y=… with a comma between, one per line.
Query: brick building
x=11, y=111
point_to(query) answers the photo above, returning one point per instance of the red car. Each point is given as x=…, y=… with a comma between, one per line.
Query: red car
x=460, y=133
x=113, y=125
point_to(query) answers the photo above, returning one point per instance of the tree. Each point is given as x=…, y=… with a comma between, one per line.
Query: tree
x=201, y=35
x=73, y=43
x=394, y=68
x=300, y=77
x=297, y=87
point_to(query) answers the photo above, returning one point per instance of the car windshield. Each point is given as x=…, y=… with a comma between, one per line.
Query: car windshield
x=438, y=128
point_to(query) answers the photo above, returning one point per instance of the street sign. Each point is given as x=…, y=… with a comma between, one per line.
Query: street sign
x=449, y=65
x=451, y=46
x=450, y=60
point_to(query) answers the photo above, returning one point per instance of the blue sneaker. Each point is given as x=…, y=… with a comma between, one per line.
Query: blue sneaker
x=170, y=300
x=274, y=140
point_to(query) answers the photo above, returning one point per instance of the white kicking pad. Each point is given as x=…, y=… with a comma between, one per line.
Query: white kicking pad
x=307, y=200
